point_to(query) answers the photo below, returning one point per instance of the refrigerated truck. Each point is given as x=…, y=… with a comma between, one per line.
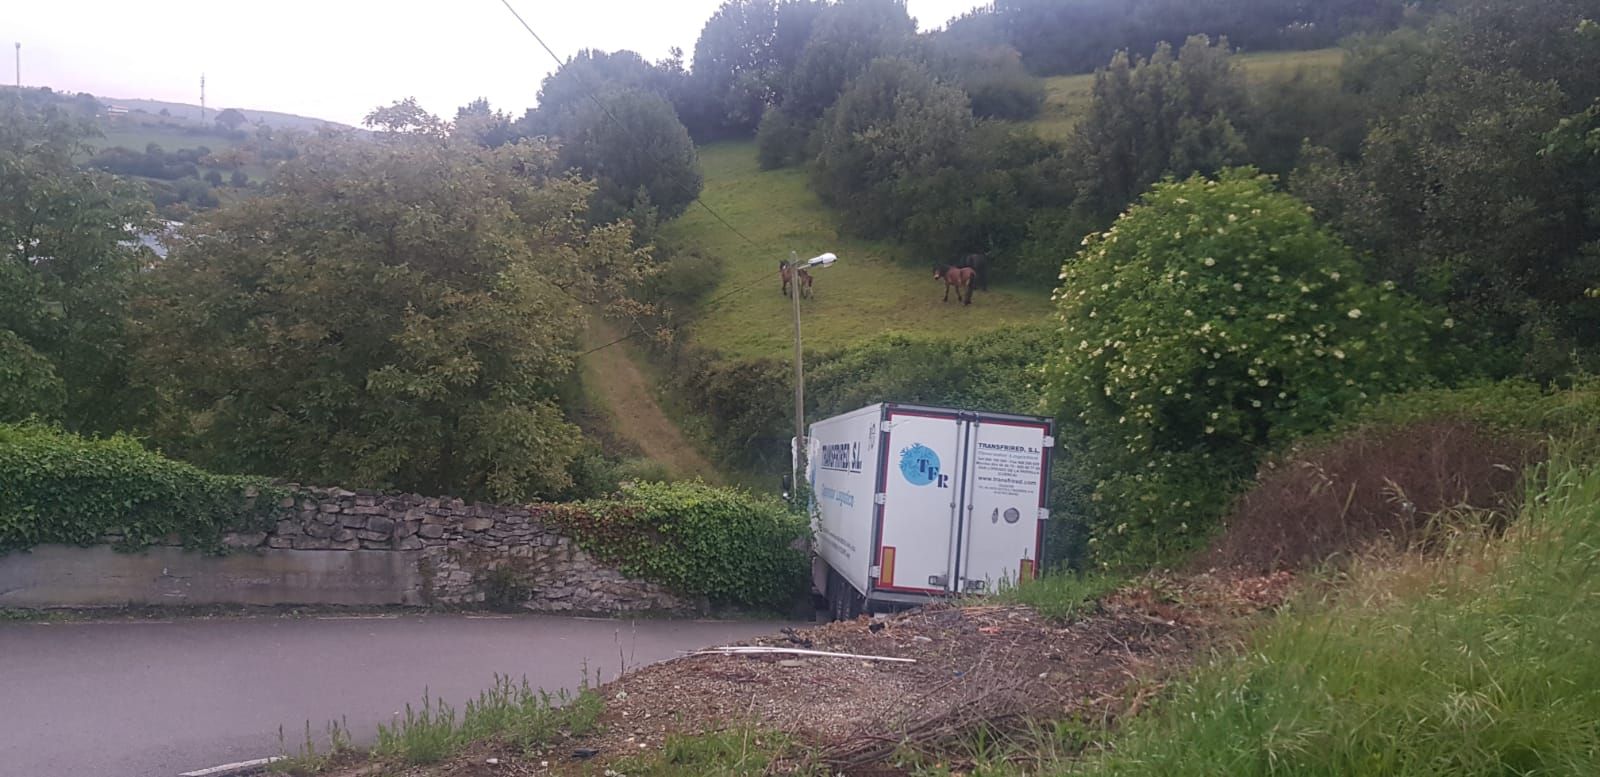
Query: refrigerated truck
x=912, y=503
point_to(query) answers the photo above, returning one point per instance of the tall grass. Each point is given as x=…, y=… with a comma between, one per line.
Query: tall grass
x=1482, y=660
x=513, y=712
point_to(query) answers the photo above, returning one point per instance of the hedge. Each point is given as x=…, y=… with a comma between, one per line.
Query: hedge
x=60, y=488
x=727, y=545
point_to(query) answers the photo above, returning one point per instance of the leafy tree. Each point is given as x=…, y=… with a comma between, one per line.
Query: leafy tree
x=214, y=177
x=239, y=179
x=570, y=90
x=231, y=118
x=484, y=125
x=781, y=140
x=845, y=38
x=895, y=128
x=396, y=311
x=66, y=269
x=1166, y=115
x=993, y=77
x=637, y=151
x=733, y=61
x=1214, y=320
x=1464, y=192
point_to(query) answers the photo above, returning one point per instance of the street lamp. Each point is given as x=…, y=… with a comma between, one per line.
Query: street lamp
x=798, y=457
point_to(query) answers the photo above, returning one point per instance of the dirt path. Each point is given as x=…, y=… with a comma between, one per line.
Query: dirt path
x=629, y=401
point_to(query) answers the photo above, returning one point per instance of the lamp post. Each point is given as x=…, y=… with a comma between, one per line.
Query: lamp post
x=817, y=262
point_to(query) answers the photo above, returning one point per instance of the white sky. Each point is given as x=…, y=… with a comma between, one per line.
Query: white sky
x=338, y=59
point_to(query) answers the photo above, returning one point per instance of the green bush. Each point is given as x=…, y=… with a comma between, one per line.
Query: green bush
x=61, y=488
x=1513, y=406
x=781, y=139
x=31, y=387
x=1212, y=322
x=727, y=545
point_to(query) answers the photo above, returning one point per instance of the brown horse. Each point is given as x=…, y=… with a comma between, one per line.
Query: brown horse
x=793, y=274
x=959, y=278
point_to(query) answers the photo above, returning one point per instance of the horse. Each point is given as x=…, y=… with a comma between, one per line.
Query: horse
x=959, y=278
x=792, y=274
x=978, y=263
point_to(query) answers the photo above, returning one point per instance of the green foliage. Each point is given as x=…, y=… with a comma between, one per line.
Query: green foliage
x=30, y=386
x=1062, y=597
x=686, y=279
x=699, y=540
x=639, y=154
x=1515, y=407
x=1151, y=118
x=996, y=83
x=781, y=140
x=60, y=488
x=1473, y=189
x=845, y=38
x=1212, y=322
x=65, y=271
x=1477, y=662
x=733, y=752
x=514, y=712
x=397, y=311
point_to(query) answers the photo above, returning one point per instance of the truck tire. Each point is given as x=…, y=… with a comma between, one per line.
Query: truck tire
x=844, y=604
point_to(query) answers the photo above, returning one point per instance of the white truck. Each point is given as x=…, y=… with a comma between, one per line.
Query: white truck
x=912, y=503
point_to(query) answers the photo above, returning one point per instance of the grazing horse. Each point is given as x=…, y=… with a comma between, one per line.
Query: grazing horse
x=979, y=263
x=792, y=275
x=958, y=278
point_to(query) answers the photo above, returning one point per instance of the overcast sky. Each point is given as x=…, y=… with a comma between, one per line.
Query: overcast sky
x=337, y=59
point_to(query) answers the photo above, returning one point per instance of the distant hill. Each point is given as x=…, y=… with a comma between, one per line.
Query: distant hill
x=272, y=119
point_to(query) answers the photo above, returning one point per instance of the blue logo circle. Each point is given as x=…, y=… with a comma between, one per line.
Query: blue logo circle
x=919, y=464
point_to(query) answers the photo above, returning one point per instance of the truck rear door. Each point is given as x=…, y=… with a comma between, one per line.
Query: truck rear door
x=917, y=520
x=1006, y=467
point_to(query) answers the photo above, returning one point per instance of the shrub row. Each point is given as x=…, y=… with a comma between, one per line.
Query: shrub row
x=727, y=545
x=61, y=488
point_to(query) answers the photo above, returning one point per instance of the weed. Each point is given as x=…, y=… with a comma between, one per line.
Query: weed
x=510, y=710
x=744, y=750
x=307, y=759
x=1062, y=597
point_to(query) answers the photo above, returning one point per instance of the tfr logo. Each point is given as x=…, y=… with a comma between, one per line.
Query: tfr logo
x=920, y=467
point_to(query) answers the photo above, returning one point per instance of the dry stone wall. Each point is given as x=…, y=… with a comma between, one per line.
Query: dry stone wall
x=465, y=553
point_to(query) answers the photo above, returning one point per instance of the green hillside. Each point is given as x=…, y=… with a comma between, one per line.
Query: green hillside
x=1067, y=97
x=869, y=292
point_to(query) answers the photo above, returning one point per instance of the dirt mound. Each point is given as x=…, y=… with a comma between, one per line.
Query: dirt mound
x=975, y=665
x=1377, y=485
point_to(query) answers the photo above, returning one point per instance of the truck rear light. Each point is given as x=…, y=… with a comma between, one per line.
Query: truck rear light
x=886, y=563
x=1026, y=571
x=976, y=586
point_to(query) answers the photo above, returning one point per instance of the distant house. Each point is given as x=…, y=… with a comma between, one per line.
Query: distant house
x=116, y=110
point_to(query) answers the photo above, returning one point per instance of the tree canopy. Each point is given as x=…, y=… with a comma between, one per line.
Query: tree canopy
x=398, y=312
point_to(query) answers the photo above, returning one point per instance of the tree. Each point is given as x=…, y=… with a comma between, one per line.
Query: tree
x=1465, y=193
x=845, y=38
x=239, y=179
x=396, y=311
x=232, y=119
x=483, y=125
x=214, y=178
x=894, y=129
x=66, y=270
x=637, y=151
x=1166, y=115
x=572, y=88
x=1213, y=321
x=733, y=62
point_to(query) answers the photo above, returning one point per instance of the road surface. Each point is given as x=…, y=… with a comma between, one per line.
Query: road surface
x=155, y=698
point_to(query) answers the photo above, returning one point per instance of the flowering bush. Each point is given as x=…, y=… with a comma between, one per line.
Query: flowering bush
x=1212, y=321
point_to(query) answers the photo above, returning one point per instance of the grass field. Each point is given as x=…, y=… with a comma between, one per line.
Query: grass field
x=873, y=289
x=1067, y=97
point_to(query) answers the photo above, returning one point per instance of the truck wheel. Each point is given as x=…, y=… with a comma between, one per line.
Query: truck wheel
x=836, y=585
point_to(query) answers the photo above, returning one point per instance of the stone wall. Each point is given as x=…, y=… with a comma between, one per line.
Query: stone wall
x=332, y=546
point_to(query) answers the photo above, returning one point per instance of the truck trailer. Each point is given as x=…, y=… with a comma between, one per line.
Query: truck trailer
x=912, y=503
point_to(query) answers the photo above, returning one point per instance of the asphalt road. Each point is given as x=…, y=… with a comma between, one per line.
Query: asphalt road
x=156, y=698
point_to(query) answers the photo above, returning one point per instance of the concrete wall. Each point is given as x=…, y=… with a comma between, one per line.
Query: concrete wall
x=338, y=547
x=64, y=576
